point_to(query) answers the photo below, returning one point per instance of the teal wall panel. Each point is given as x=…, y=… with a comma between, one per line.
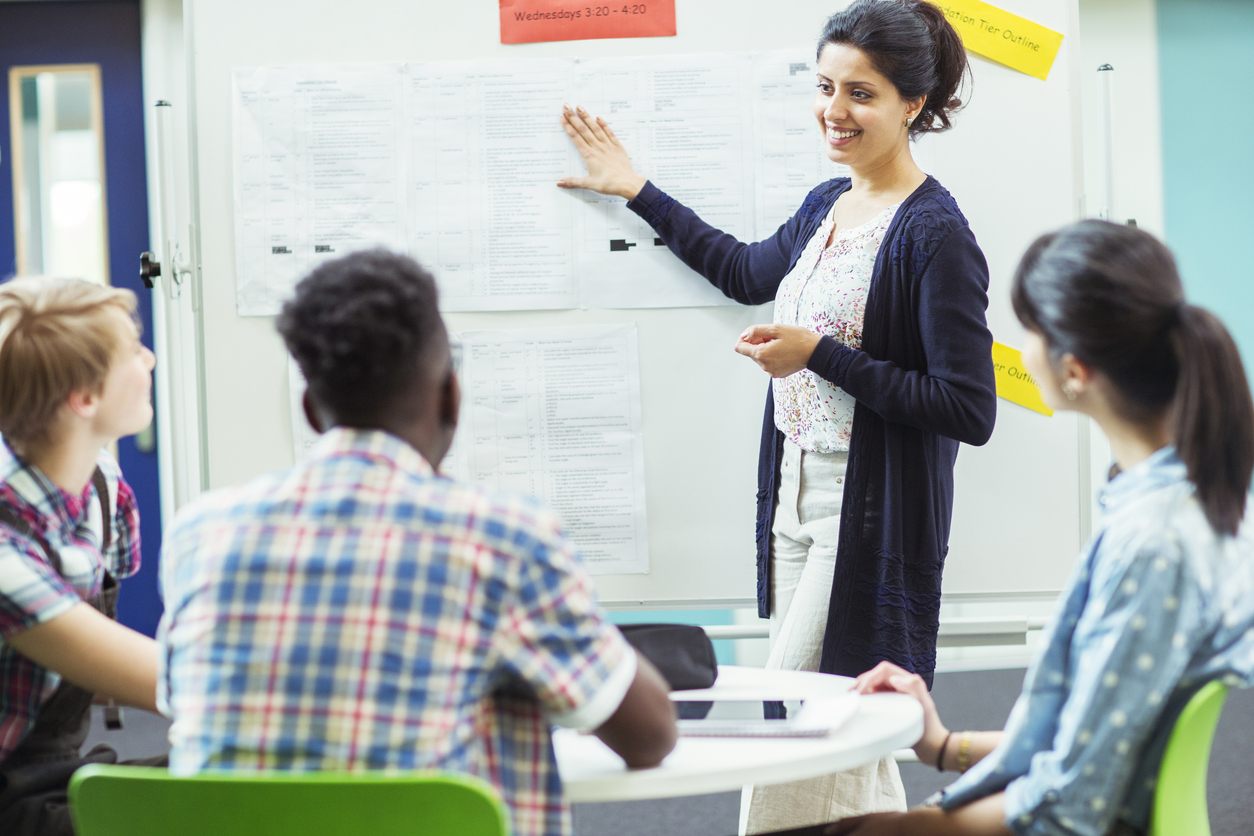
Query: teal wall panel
x=1206, y=65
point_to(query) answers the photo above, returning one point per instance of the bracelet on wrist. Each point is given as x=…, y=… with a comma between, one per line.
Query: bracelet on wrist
x=940, y=758
x=964, y=752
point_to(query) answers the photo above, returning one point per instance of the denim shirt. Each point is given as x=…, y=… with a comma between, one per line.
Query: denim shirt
x=1157, y=606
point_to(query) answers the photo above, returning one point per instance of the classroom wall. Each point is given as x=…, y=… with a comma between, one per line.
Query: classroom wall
x=1206, y=57
x=1125, y=33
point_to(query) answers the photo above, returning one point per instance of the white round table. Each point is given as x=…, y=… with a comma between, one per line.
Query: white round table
x=882, y=723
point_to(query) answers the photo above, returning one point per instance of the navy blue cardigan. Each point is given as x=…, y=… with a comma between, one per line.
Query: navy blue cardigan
x=923, y=381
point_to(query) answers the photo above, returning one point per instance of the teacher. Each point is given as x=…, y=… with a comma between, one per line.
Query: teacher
x=880, y=361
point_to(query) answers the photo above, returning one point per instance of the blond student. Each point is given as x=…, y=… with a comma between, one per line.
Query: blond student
x=74, y=377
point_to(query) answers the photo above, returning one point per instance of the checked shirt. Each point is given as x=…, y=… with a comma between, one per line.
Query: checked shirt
x=31, y=591
x=361, y=612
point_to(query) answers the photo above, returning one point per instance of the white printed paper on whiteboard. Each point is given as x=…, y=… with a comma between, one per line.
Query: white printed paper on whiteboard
x=687, y=122
x=788, y=142
x=318, y=172
x=456, y=163
x=484, y=154
x=555, y=414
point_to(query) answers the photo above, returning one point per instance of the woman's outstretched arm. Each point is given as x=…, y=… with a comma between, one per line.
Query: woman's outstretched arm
x=748, y=273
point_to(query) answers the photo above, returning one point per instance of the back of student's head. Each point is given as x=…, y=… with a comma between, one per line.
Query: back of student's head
x=1110, y=296
x=365, y=330
x=57, y=336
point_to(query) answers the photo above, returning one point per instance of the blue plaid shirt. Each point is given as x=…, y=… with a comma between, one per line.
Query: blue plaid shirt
x=360, y=612
x=1157, y=606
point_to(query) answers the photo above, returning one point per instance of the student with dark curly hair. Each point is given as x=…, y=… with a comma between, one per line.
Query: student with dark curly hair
x=360, y=611
x=880, y=361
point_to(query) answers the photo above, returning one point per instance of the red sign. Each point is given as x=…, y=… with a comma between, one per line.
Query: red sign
x=528, y=21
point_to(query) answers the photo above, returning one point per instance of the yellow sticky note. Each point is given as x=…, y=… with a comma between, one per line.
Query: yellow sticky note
x=1013, y=381
x=1005, y=38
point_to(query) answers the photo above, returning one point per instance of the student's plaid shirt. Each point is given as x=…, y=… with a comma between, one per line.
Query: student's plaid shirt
x=361, y=612
x=31, y=591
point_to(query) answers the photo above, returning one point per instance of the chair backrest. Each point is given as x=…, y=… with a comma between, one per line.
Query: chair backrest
x=142, y=801
x=1180, y=794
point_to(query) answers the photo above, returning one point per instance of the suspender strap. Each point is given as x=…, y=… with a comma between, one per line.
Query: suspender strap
x=22, y=527
x=106, y=515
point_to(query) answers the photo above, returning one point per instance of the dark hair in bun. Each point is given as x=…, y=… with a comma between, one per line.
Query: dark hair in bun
x=911, y=44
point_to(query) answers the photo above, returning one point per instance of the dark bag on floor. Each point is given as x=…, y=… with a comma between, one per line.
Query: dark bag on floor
x=33, y=795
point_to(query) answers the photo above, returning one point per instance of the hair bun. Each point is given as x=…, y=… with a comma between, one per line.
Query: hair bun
x=952, y=66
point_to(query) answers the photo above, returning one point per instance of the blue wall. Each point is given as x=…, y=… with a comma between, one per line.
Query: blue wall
x=1206, y=66
x=108, y=34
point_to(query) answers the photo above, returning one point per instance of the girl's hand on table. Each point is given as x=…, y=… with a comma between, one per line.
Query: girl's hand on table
x=887, y=677
x=780, y=350
x=609, y=168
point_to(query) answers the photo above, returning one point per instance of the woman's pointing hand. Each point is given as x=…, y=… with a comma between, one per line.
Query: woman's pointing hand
x=609, y=167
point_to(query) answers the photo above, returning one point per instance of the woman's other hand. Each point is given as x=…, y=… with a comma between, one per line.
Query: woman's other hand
x=609, y=168
x=780, y=350
x=888, y=677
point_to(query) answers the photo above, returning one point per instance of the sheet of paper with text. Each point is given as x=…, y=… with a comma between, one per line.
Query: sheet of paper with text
x=555, y=414
x=318, y=173
x=686, y=122
x=484, y=214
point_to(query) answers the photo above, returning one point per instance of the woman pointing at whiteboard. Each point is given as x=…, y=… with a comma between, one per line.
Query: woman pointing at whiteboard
x=880, y=362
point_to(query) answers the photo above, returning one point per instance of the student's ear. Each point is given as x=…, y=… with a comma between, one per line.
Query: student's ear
x=1074, y=375
x=914, y=107
x=311, y=412
x=83, y=403
x=450, y=401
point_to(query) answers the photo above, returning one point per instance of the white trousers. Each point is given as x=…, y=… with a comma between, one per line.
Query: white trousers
x=803, y=563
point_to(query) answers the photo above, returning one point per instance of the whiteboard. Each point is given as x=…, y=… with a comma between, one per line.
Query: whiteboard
x=1012, y=162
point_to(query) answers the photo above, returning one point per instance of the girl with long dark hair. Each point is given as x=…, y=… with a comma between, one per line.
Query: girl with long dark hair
x=1162, y=598
x=880, y=361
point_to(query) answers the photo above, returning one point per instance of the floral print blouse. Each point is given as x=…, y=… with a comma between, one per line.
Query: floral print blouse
x=826, y=292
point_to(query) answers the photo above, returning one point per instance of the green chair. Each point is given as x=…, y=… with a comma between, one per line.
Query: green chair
x=140, y=801
x=1180, y=797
